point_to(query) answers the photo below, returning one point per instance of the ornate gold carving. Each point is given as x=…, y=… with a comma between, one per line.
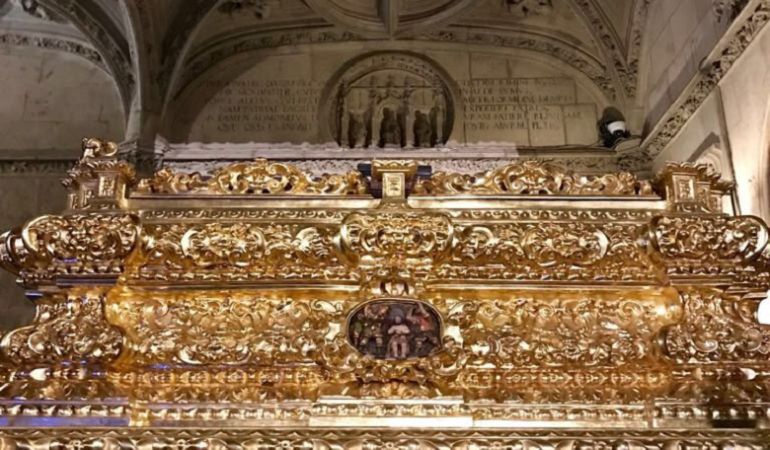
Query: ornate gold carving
x=237, y=251
x=204, y=329
x=713, y=238
x=260, y=177
x=366, y=244
x=97, y=148
x=550, y=245
x=396, y=237
x=692, y=187
x=549, y=251
x=98, y=180
x=532, y=177
x=527, y=330
x=717, y=327
x=66, y=329
x=548, y=329
x=544, y=312
x=71, y=246
x=396, y=439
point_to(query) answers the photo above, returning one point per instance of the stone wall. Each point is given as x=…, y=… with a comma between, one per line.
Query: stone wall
x=456, y=93
x=734, y=119
x=679, y=35
x=52, y=99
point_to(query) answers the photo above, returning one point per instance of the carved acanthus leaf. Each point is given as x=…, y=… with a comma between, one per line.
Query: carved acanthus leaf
x=717, y=327
x=532, y=177
x=66, y=329
x=260, y=177
x=70, y=246
x=712, y=239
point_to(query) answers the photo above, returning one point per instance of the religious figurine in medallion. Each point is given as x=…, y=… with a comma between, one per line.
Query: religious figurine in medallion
x=398, y=342
x=395, y=329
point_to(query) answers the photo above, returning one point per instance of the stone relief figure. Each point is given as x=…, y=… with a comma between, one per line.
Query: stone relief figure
x=395, y=330
x=357, y=133
x=390, y=129
x=423, y=130
x=402, y=103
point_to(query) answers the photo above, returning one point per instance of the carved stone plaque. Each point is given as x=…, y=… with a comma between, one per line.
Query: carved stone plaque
x=529, y=111
x=391, y=100
x=395, y=329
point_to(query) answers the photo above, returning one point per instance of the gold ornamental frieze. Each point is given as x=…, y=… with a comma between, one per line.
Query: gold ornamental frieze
x=534, y=177
x=433, y=338
x=69, y=327
x=260, y=177
x=261, y=306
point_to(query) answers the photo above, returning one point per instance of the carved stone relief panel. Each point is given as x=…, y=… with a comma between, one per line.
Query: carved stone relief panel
x=370, y=97
x=391, y=100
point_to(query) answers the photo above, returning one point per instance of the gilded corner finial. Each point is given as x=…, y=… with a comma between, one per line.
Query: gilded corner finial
x=691, y=187
x=98, y=148
x=99, y=180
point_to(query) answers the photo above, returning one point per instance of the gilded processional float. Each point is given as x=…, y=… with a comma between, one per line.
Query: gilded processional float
x=264, y=307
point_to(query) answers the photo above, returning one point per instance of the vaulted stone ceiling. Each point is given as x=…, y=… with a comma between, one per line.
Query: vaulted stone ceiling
x=155, y=49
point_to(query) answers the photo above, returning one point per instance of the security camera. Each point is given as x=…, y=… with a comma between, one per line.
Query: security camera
x=612, y=127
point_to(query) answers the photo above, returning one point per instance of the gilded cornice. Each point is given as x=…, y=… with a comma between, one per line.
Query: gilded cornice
x=259, y=177
x=533, y=178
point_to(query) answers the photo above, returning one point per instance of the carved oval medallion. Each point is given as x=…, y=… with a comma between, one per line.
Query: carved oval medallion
x=395, y=329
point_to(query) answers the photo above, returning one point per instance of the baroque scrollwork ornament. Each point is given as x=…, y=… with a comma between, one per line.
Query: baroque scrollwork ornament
x=69, y=328
x=263, y=306
x=259, y=177
x=89, y=245
x=533, y=177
